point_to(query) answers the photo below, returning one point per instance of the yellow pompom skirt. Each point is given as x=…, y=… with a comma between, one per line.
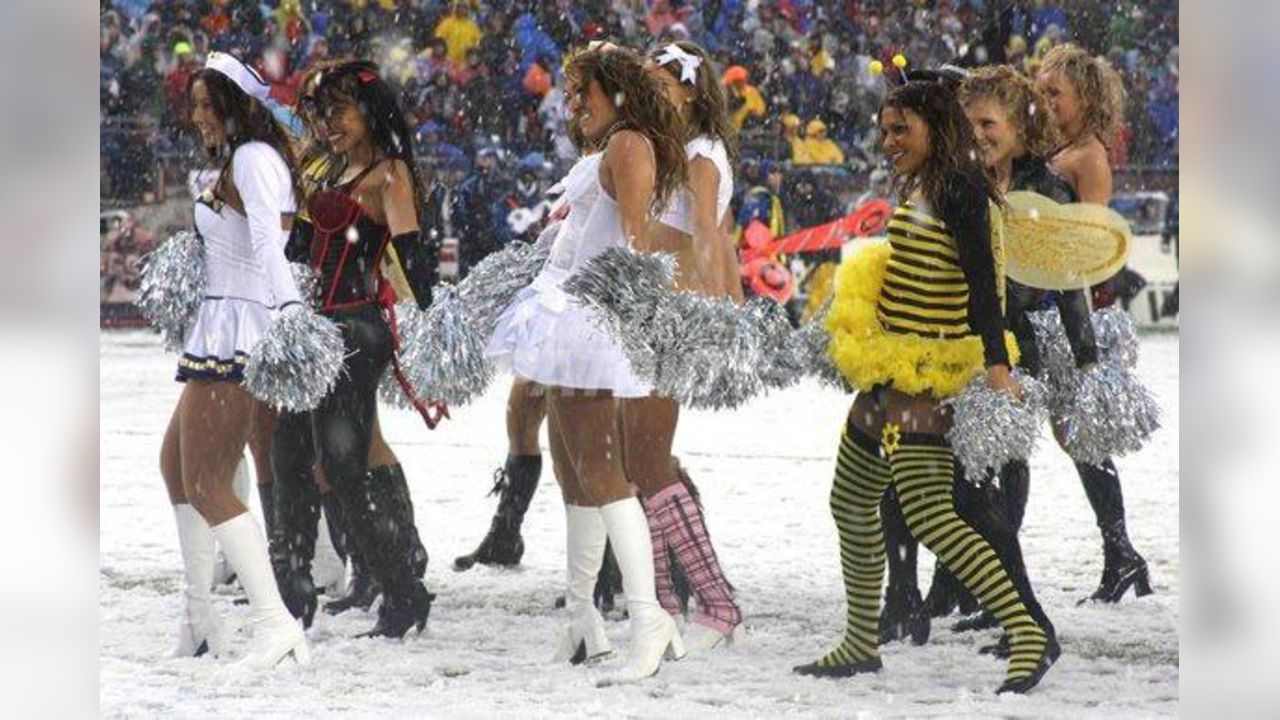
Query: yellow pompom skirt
x=867, y=355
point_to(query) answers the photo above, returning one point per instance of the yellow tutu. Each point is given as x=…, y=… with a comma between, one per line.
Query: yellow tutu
x=867, y=355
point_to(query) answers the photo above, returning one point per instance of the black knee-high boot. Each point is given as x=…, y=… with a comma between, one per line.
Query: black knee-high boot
x=364, y=589
x=384, y=539
x=904, y=613
x=292, y=544
x=394, y=474
x=1123, y=567
x=515, y=485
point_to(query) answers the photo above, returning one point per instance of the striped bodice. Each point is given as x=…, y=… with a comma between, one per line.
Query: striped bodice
x=924, y=291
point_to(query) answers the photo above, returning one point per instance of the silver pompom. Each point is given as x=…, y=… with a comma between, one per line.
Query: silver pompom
x=172, y=286
x=308, y=282
x=491, y=285
x=1108, y=413
x=297, y=362
x=625, y=286
x=990, y=427
x=812, y=340
x=1114, y=331
x=1117, y=336
x=728, y=346
x=783, y=358
x=442, y=349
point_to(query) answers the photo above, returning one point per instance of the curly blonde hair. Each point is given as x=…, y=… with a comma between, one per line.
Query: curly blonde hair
x=1019, y=98
x=1101, y=91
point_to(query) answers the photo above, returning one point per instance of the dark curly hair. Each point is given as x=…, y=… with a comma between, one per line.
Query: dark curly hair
x=360, y=83
x=954, y=161
x=641, y=105
x=710, y=107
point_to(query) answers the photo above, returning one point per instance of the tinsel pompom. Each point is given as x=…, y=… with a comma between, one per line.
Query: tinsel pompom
x=442, y=350
x=1117, y=336
x=783, y=359
x=728, y=346
x=1114, y=331
x=812, y=340
x=1108, y=413
x=991, y=427
x=172, y=286
x=624, y=285
x=491, y=285
x=308, y=282
x=297, y=362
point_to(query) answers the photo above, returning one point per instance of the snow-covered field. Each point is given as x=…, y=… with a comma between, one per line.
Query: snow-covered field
x=764, y=471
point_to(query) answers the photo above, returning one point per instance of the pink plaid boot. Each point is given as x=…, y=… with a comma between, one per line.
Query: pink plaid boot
x=675, y=517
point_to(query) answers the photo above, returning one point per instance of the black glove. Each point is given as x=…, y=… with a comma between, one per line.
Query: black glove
x=419, y=258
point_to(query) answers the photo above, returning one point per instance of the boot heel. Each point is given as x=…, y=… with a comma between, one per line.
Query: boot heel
x=1142, y=584
x=301, y=653
x=675, y=650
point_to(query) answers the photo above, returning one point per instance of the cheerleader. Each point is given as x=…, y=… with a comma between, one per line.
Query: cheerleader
x=293, y=543
x=689, y=229
x=1014, y=139
x=911, y=324
x=549, y=338
x=1085, y=98
x=367, y=204
x=243, y=220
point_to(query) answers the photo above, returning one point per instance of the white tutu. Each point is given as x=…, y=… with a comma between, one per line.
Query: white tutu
x=218, y=343
x=549, y=338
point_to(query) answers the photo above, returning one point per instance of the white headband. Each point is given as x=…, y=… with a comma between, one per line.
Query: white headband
x=689, y=63
x=245, y=77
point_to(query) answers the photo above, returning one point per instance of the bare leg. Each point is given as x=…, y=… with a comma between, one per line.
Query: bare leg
x=213, y=431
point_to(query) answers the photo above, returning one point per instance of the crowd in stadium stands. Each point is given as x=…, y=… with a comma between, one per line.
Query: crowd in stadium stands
x=481, y=83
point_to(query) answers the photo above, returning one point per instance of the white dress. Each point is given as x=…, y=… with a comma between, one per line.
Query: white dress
x=545, y=335
x=246, y=275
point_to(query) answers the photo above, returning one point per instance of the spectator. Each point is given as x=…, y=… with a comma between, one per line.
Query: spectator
x=822, y=150
x=745, y=101
x=764, y=202
x=479, y=211
x=459, y=32
x=791, y=133
x=527, y=205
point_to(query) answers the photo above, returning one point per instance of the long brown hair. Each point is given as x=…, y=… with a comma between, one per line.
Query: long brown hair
x=1101, y=91
x=710, y=115
x=246, y=119
x=953, y=160
x=1020, y=100
x=641, y=106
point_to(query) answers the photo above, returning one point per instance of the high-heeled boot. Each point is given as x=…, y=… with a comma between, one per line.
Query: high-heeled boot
x=515, y=485
x=653, y=633
x=292, y=543
x=240, y=486
x=394, y=474
x=386, y=544
x=582, y=638
x=201, y=628
x=276, y=634
x=362, y=590
x=1123, y=567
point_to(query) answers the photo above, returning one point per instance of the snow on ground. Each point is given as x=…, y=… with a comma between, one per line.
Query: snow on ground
x=764, y=471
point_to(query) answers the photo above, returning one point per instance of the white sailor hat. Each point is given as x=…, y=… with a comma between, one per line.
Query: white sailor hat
x=245, y=77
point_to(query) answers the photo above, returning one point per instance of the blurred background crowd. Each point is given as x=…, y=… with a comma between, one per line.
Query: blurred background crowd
x=481, y=83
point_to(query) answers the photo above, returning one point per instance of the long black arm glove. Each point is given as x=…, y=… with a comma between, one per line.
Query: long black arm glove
x=419, y=258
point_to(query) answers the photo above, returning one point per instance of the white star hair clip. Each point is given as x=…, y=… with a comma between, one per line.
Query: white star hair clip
x=689, y=63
